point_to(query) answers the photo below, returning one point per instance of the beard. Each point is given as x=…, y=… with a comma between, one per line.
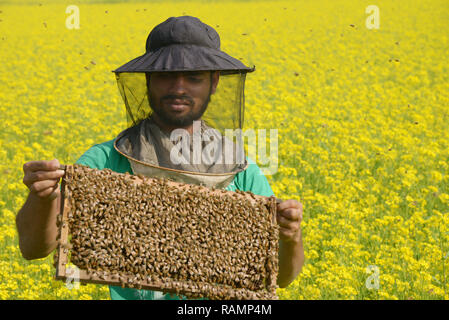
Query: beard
x=178, y=121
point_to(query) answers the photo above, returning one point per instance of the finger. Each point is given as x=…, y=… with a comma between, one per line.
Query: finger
x=291, y=214
x=286, y=233
x=51, y=193
x=39, y=186
x=287, y=224
x=56, y=192
x=41, y=165
x=291, y=203
x=42, y=175
x=31, y=177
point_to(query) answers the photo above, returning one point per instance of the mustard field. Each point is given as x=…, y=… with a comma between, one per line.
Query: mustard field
x=362, y=118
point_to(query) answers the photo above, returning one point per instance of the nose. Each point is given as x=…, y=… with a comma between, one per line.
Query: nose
x=179, y=84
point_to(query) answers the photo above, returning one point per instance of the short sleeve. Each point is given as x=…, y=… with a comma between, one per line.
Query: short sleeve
x=95, y=158
x=252, y=179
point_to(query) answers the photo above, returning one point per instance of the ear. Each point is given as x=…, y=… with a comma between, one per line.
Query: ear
x=215, y=76
x=147, y=76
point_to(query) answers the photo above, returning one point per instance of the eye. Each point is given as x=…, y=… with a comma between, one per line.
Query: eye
x=195, y=78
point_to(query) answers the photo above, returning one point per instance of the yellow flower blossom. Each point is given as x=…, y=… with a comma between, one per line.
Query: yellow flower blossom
x=363, y=140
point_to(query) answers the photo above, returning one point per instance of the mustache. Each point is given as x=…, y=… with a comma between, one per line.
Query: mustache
x=184, y=98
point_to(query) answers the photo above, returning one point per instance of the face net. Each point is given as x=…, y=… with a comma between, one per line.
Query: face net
x=222, y=147
x=224, y=111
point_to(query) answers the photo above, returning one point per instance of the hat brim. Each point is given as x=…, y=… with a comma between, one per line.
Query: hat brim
x=182, y=57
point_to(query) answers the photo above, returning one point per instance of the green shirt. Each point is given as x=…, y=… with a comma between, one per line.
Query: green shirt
x=103, y=155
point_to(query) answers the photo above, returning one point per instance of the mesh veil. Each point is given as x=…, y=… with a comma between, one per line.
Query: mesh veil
x=224, y=111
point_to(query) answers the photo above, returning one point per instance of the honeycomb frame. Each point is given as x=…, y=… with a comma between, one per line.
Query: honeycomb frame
x=266, y=288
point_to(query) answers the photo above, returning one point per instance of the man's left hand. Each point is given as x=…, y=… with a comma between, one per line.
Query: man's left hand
x=289, y=217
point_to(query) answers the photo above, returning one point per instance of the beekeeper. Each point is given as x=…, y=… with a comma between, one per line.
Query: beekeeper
x=182, y=95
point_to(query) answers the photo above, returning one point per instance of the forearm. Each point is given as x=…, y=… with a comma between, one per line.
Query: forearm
x=36, y=225
x=291, y=261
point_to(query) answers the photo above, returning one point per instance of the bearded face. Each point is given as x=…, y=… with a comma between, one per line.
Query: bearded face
x=179, y=98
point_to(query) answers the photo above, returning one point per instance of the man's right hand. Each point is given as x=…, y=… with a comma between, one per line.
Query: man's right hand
x=42, y=178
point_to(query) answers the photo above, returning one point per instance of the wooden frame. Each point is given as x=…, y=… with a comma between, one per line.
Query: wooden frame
x=63, y=249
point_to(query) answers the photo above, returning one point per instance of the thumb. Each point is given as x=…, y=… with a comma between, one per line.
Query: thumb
x=55, y=193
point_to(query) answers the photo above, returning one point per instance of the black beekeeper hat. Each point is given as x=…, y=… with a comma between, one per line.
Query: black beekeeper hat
x=185, y=44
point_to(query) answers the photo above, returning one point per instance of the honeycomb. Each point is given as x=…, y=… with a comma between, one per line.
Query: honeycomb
x=156, y=234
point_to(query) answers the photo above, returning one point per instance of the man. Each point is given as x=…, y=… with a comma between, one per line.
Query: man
x=184, y=81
